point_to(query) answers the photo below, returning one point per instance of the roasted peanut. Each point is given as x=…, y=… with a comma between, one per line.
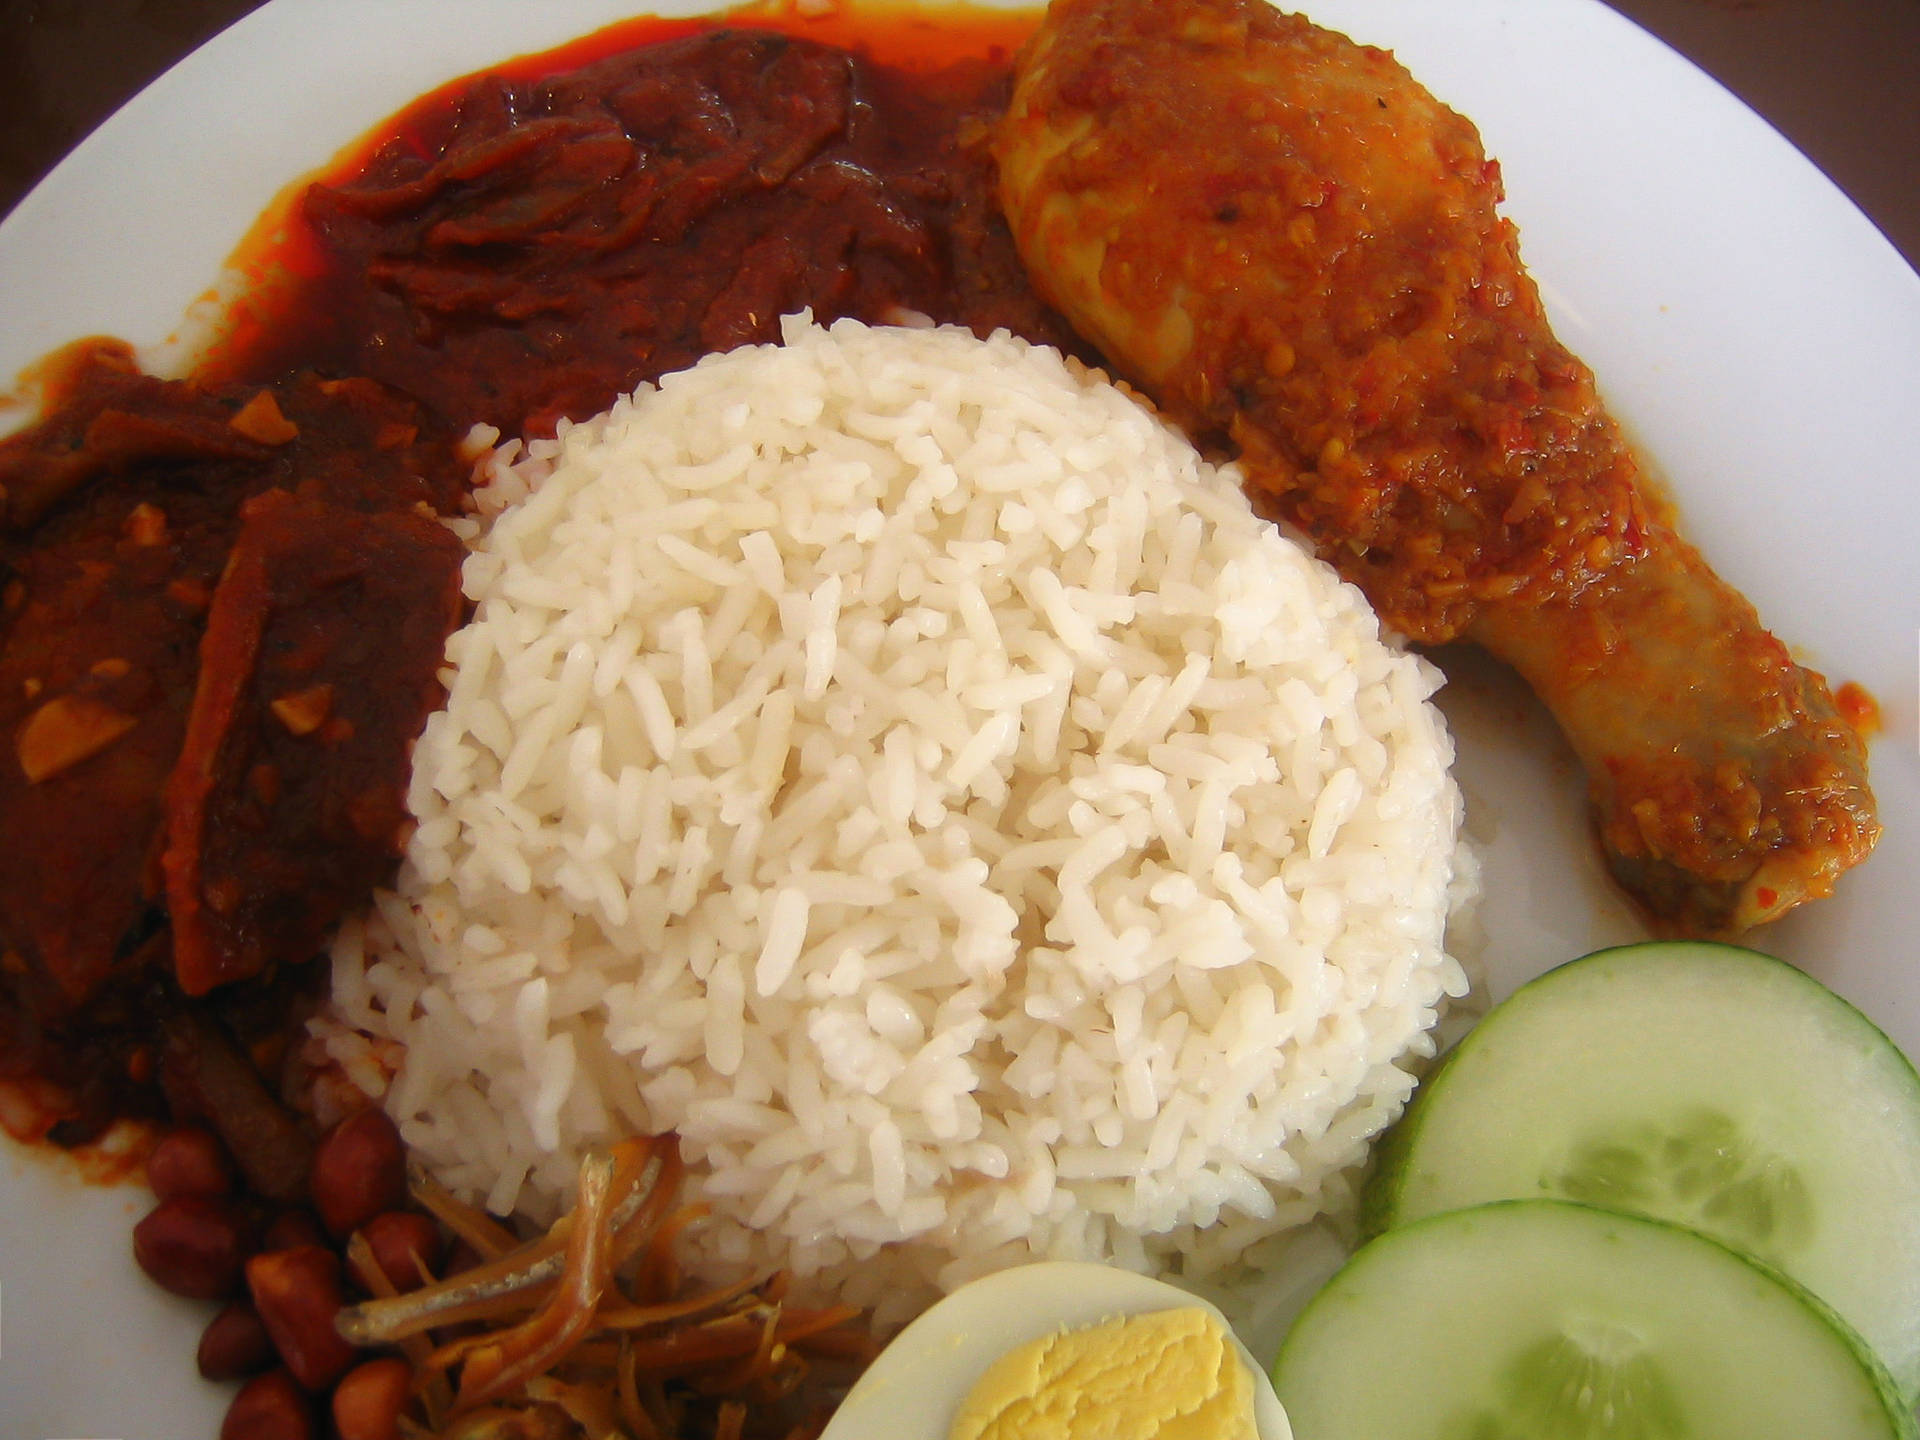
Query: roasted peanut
x=235, y=1344
x=297, y=1293
x=402, y=1241
x=191, y=1246
x=190, y=1161
x=369, y=1398
x=269, y=1407
x=292, y=1228
x=359, y=1169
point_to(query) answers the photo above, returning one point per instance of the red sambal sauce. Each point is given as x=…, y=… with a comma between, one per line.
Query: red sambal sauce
x=1859, y=709
x=533, y=241
x=515, y=247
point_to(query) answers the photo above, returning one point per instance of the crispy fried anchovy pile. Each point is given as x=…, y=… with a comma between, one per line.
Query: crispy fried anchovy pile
x=588, y=1331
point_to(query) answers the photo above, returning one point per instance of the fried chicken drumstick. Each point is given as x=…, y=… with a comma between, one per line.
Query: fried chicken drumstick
x=1294, y=249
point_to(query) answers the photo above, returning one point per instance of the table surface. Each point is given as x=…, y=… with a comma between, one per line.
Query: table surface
x=1839, y=78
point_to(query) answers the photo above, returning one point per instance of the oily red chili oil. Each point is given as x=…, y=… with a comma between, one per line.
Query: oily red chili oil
x=465, y=262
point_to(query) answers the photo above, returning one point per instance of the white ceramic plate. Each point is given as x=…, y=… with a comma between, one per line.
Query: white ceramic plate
x=1756, y=334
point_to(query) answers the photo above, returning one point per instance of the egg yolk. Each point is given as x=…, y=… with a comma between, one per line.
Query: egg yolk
x=1167, y=1375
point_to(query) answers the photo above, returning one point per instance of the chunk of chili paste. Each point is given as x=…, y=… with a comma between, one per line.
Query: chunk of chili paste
x=317, y=672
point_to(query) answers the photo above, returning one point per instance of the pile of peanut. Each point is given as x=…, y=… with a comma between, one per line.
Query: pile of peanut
x=282, y=1278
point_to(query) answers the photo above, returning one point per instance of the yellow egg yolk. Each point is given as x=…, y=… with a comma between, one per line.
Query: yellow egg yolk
x=1168, y=1375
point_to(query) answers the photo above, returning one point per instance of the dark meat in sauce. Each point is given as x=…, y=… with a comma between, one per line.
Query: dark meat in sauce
x=131, y=505
x=286, y=805
x=187, y=556
x=531, y=249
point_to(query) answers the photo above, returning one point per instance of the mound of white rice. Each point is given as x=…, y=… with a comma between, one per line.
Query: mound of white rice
x=898, y=764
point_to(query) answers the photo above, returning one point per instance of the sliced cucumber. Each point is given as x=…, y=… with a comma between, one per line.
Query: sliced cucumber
x=1550, y=1320
x=1704, y=1084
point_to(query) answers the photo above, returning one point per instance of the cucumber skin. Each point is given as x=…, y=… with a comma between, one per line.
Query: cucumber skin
x=1380, y=1193
x=1378, y=1196
x=1902, y=1422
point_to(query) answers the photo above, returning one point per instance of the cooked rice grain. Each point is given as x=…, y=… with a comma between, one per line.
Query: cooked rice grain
x=899, y=764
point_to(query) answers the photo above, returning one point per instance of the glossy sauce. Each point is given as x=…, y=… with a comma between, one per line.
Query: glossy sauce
x=530, y=243
x=514, y=248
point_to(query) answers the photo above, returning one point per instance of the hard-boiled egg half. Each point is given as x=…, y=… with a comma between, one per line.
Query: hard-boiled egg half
x=1059, y=1344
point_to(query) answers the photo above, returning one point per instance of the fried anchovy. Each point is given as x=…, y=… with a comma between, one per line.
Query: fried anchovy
x=478, y=1293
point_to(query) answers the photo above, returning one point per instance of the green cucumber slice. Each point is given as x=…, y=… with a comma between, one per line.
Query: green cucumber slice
x=1704, y=1084
x=1551, y=1320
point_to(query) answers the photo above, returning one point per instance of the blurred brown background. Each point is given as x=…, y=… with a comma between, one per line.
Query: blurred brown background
x=1840, y=78
x=65, y=65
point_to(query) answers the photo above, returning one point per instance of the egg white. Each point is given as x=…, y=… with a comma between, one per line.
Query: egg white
x=914, y=1388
